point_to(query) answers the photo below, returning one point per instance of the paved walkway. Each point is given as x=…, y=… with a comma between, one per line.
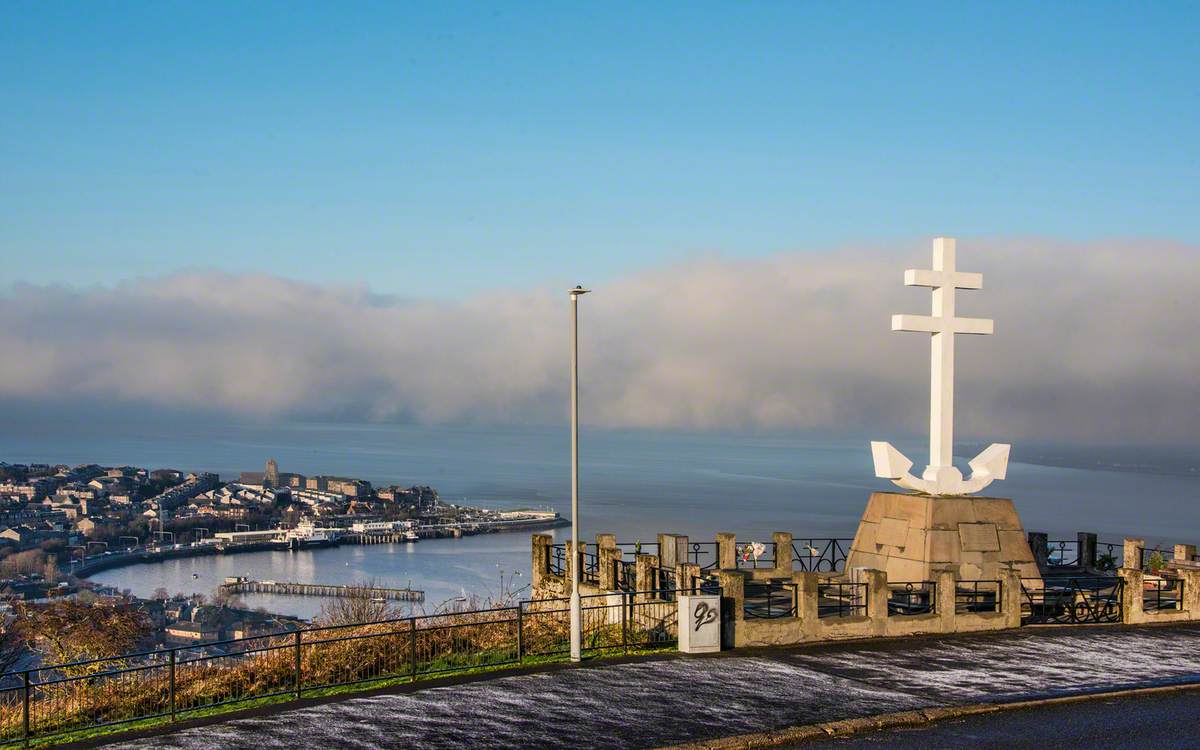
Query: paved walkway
x=648, y=704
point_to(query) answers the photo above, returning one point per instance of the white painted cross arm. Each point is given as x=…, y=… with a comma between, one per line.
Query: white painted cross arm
x=987, y=467
x=930, y=324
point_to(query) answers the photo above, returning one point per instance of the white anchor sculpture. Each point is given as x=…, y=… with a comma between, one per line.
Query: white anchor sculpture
x=940, y=476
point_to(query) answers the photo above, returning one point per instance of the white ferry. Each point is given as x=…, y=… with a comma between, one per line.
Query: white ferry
x=307, y=535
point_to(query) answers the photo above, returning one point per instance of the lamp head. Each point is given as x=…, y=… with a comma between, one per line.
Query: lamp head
x=578, y=290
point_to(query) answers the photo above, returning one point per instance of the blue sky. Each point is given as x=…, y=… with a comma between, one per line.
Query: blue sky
x=441, y=149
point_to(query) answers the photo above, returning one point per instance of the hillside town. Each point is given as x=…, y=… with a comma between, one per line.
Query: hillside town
x=60, y=523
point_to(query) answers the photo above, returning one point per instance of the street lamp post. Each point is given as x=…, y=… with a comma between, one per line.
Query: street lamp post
x=576, y=610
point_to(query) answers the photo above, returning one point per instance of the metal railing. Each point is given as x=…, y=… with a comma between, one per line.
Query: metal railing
x=1062, y=553
x=820, y=555
x=705, y=554
x=665, y=581
x=625, y=575
x=589, y=568
x=1162, y=595
x=1077, y=601
x=49, y=701
x=635, y=620
x=1109, y=556
x=835, y=599
x=769, y=599
x=912, y=598
x=978, y=596
x=556, y=559
x=638, y=548
x=1154, y=559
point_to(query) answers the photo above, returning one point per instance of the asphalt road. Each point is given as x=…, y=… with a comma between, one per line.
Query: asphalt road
x=1163, y=722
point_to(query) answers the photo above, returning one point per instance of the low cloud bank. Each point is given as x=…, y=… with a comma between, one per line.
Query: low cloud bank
x=1094, y=341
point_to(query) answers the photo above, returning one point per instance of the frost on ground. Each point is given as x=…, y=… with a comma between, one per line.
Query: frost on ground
x=1020, y=664
x=654, y=703
x=625, y=706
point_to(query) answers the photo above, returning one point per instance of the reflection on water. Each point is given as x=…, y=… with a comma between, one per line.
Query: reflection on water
x=442, y=568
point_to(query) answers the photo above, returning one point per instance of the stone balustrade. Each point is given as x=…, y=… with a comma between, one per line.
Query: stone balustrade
x=867, y=615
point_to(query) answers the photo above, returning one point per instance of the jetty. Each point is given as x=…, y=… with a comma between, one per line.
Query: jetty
x=242, y=585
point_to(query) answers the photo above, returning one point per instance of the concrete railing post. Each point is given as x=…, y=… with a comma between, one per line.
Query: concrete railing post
x=1133, y=553
x=1132, y=603
x=672, y=549
x=733, y=590
x=568, y=567
x=1010, y=598
x=783, y=553
x=726, y=551
x=1087, y=549
x=685, y=573
x=647, y=575
x=1039, y=544
x=807, y=603
x=877, y=599
x=606, y=541
x=1191, y=592
x=608, y=564
x=946, y=606
x=540, y=561
x=733, y=605
x=1185, y=552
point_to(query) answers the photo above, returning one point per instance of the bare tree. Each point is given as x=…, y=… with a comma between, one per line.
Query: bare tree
x=358, y=605
x=12, y=644
x=70, y=631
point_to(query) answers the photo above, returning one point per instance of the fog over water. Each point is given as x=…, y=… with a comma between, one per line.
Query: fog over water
x=634, y=483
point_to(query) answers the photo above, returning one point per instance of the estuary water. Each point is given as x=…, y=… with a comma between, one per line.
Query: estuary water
x=633, y=483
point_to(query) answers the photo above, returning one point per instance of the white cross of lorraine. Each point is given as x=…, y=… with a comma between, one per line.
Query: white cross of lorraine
x=941, y=477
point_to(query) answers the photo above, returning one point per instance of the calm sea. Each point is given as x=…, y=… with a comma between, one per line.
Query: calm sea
x=634, y=483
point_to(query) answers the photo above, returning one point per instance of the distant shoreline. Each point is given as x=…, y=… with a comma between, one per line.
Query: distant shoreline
x=147, y=557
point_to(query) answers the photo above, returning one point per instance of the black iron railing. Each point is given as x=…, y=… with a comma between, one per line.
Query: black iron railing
x=1162, y=595
x=625, y=575
x=705, y=554
x=1109, y=556
x=635, y=620
x=769, y=599
x=1077, y=601
x=912, y=598
x=1154, y=559
x=1062, y=553
x=556, y=559
x=665, y=581
x=841, y=599
x=705, y=583
x=589, y=568
x=50, y=701
x=820, y=555
x=638, y=548
x=978, y=596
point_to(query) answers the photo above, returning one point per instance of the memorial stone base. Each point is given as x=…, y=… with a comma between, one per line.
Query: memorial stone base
x=912, y=537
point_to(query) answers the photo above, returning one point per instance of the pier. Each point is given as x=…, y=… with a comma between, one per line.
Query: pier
x=247, y=586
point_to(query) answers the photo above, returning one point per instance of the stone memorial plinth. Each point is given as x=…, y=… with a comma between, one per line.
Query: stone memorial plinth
x=914, y=536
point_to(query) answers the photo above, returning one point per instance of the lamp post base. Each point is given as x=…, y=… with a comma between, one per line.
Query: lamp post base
x=576, y=631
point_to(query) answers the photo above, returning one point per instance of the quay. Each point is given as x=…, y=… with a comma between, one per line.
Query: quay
x=241, y=585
